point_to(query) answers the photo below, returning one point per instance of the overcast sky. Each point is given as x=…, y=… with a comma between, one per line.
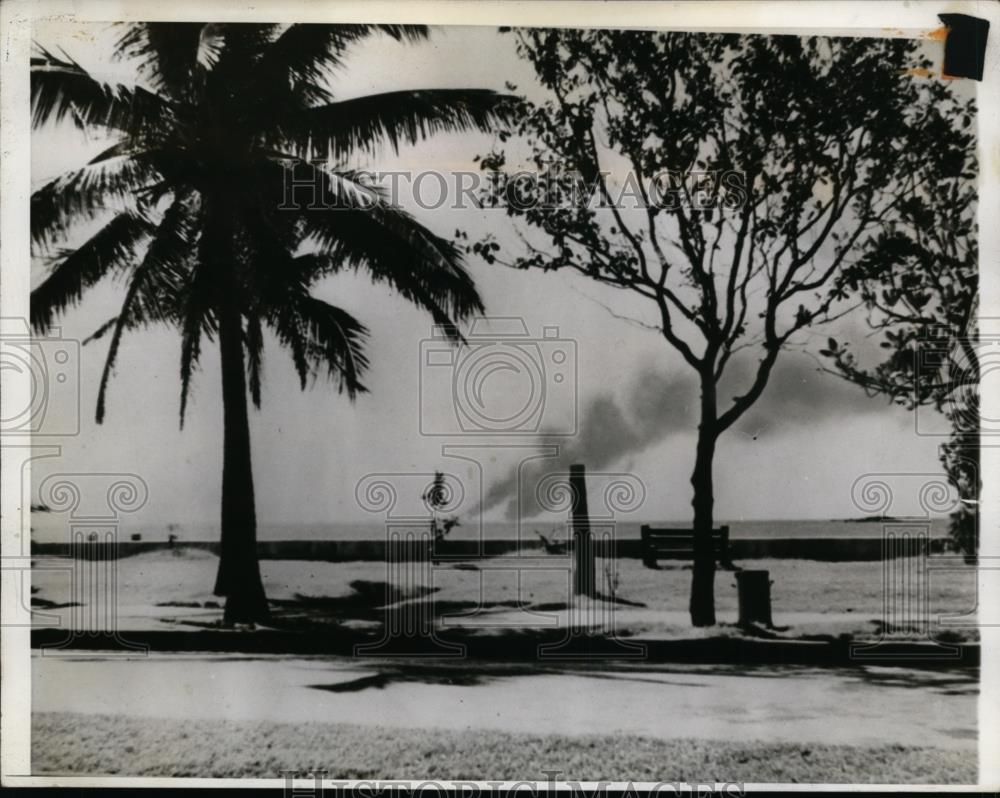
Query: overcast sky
x=795, y=455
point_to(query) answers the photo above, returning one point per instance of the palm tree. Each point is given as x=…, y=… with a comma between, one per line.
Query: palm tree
x=190, y=202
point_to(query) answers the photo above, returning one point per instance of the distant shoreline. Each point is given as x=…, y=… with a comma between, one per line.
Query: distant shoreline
x=54, y=528
x=889, y=519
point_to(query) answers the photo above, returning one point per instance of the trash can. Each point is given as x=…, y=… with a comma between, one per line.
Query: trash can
x=754, y=590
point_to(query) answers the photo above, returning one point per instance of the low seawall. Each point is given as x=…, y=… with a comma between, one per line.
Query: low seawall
x=831, y=549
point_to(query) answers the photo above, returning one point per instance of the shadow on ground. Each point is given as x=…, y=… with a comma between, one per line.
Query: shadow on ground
x=957, y=681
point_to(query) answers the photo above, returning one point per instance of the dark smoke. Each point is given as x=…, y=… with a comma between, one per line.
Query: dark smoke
x=658, y=405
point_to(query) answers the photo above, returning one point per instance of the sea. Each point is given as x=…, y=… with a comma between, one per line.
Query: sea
x=52, y=527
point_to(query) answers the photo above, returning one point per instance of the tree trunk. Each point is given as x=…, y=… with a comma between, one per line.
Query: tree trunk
x=702, y=606
x=239, y=571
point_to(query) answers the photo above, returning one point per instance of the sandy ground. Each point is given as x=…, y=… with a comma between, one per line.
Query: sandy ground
x=174, y=714
x=808, y=597
x=103, y=744
x=183, y=714
x=858, y=705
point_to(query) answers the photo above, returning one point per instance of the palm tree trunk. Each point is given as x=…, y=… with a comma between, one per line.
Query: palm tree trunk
x=702, y=605
x=239, y=570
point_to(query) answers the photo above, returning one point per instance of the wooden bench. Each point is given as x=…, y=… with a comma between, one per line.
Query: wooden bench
x=678, y=544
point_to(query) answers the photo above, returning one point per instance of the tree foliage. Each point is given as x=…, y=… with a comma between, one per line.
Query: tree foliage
x=729, y=180
x=198, y=176
x=919, y=280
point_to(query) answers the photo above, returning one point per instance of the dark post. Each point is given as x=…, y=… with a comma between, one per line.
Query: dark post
x=725, y=558
x=648, y=557
x=754, y=591
x=584, y=580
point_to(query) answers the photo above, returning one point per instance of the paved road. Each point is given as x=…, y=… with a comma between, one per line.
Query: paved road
x=861, y=706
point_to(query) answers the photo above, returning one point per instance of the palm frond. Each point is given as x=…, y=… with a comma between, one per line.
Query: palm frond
x=278, y=282
x=304, y=55
x=337, y=341
x=194, y=318
x=196, y=312
x=321, y=336
x=168, y=53
x=210, y=45
x=154, y=285
x=61, y=88
x=290, y=331
x=83, y=194
x=247, y=42
x=100, y=331
x=128, y=147
x=255, y=356
x=335, y=130
x=387, y=242
x=395, y=248
x=113, y=246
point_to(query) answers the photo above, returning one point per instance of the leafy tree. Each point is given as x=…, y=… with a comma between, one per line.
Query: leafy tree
x=195, y=215
x=919, y=280
x=727, y=180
